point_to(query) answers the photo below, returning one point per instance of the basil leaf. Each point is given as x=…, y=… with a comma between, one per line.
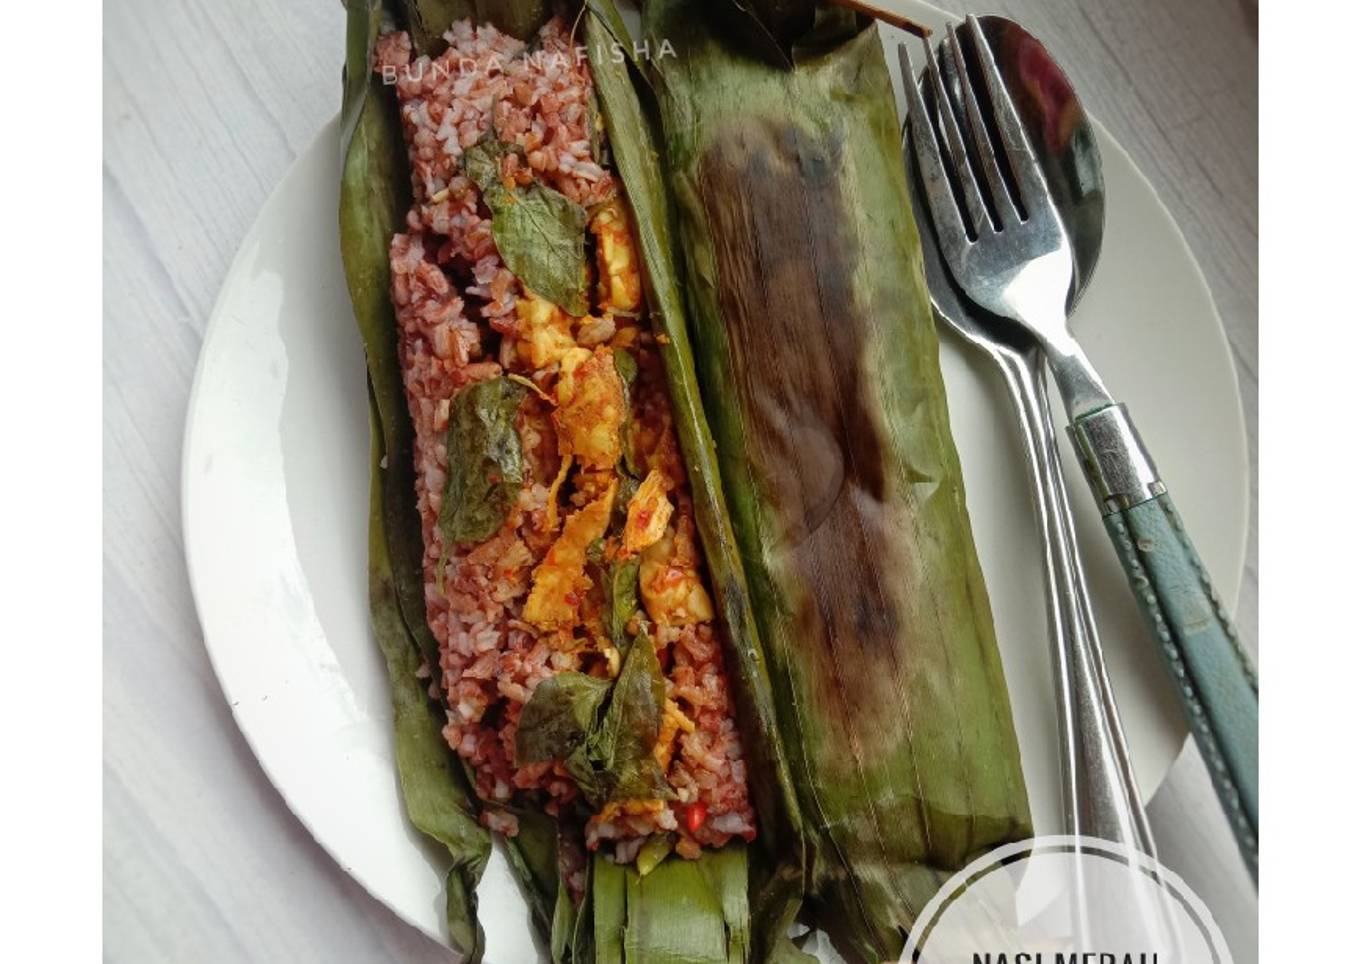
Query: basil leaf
x=621, y=593
x=611, y=758
x=626, y=365
x=482, y=162
x=628, y=486
x=540, y=233
x=623, y=746
x=486, y=461
x=559, y=722
x=561, y=714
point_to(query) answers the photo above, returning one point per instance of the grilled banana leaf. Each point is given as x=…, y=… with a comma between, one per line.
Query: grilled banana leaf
x=374, y=197
x=818, y=363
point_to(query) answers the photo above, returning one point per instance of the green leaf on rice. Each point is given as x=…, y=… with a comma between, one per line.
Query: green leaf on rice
x=540, y=233
x=610, y=753
x=626, y=365
x=621, y=600
x=561, y=714
x=486, y=461
x=559, y=723
x=628, y=486
x=622, y=748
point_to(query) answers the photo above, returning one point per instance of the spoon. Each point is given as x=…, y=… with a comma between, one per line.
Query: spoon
x=1099, y=790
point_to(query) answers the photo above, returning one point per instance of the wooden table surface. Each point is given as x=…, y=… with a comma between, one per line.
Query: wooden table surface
x=205, y=106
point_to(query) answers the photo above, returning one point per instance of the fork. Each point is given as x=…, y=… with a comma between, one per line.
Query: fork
x=1001, y=237
x=1099, y=790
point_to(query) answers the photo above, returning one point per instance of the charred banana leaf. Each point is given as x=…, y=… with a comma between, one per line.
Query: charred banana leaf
x=818, y=362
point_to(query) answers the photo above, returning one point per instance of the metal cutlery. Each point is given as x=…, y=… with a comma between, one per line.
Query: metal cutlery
x=1001, y=237
x=1099, y=790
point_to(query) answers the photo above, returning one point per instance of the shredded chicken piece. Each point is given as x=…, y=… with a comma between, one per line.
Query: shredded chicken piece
x=668, y=579
x=590, y=408
x=560, y=581
x=550, y=516
x=620, y=282
x=649, y=512
x=544, y=333
x=673, y=723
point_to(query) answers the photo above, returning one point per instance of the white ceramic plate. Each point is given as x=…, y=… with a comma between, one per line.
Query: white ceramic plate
x=275, y=498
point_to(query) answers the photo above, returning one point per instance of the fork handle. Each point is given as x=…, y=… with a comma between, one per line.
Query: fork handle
x=1195, y=636
x=1100, y=792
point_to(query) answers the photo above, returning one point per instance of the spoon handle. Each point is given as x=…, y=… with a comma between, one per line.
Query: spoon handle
x=1213, y=676
x=1100, y=793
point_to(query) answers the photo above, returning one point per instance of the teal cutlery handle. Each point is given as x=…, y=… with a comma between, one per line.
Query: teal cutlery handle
x=1212, y=674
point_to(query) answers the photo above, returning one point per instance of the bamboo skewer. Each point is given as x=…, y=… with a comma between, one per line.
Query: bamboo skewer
x=887, y=16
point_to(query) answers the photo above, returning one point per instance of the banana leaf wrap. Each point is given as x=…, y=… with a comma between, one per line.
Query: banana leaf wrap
x=374, y=197
x=818, y=364
x=679, y=911
x=374, y=193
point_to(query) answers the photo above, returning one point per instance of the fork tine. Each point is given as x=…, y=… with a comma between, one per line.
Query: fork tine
x=1024, y=165
x=958, y=153
x=987, y=159
x=944, y=212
